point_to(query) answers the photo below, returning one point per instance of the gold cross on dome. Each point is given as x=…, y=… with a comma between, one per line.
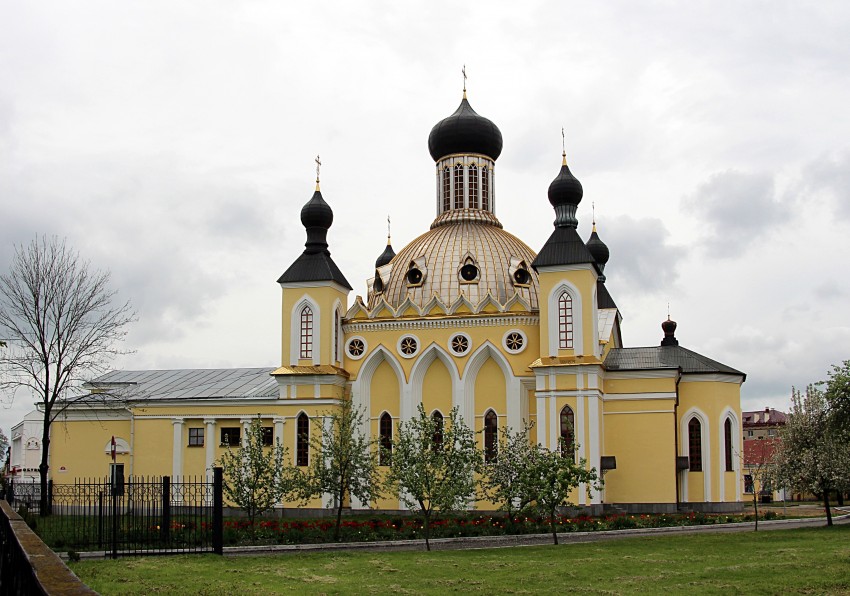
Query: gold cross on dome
x=318, y=165
x=463, y=70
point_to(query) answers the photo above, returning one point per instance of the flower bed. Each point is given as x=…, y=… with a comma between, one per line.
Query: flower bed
x=377, y=528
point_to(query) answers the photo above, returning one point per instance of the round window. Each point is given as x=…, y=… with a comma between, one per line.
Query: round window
x=408, y=346
x=514, y=341
x=469, y=272
x=460, y=343
x=356, y=348
x=522, y=277
x=414, y=276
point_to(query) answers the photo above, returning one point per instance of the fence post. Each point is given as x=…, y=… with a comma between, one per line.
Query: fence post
x=114, y=521
x=10, y=492
x=165, y=528
x=100, y=520
x=218, y=512
x=50, y=497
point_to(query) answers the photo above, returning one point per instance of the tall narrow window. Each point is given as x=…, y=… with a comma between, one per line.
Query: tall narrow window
x=337, y=334
x=447, y=189
x=695, y=445
x=568, y=437
x=565, y=320
x=459, y=186
x=302, y=440
x=727, y=436
x=437, y=437
x=386, y=430
x=306, y=332
x=491, y=436
x=485, y=189
x=473, y=187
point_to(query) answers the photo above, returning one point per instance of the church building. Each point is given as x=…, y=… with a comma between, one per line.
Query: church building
x=468, y=316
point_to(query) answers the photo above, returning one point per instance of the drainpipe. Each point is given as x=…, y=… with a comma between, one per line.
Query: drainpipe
x=676, y=438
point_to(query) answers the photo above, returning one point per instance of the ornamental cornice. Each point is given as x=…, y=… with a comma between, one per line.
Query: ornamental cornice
x=442, y=323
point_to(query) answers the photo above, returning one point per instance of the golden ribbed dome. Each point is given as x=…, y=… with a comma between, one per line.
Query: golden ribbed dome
x=461, y=238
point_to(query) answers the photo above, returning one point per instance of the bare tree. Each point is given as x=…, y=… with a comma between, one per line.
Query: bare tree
x=61, y=329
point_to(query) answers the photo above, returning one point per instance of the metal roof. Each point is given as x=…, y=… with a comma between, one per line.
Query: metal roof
x=564, y=247
x=314, y=267
x=669, y=357
x=188, y=383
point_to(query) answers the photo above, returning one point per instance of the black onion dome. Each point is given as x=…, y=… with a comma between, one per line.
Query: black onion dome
x=465, y=132
x=669, y=328
x=385, y=257
x=598, y=249
x=316, y=213
x=565, y=189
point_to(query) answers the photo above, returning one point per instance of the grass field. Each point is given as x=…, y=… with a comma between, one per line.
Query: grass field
x=810, y=561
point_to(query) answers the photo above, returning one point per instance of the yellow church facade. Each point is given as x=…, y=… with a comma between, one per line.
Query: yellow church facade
x=465, y=316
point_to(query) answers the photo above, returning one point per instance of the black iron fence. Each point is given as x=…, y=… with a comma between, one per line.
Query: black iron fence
x=135, y=515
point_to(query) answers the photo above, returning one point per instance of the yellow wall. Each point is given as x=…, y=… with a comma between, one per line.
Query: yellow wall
x=79, y=447
x=437, y=389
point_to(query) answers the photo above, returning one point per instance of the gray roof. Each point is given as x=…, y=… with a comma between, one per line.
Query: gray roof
x=665, y=357
x=213, y=383
x=564, y=247
x=317, y=266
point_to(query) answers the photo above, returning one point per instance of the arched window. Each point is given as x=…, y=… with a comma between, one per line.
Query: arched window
x=695, y=445
x=386, y=431
x=306, y=333
x=473, y=187
x=485, y=189
x=568, y=437
x=459, y=186
x=302, y=440
x=447, y=189
x=727, y=440
x=437, y=437
x=565, y=320
x=491, y=436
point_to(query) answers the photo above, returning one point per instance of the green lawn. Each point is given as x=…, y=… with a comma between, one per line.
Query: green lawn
x=811, y=561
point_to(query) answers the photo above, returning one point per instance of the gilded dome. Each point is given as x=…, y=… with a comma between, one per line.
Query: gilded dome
x=465, y=252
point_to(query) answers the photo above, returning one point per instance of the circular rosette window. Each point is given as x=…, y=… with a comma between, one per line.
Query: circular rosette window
x=408, y=346
x=514, y=341
x=356, y=348
x=460, y=344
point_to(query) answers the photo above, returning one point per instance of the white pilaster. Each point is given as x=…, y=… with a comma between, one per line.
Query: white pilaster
x=581, y=421
x=177, y=449
x=209, y=444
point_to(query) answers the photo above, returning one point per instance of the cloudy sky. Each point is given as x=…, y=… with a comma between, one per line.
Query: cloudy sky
x=173, y=143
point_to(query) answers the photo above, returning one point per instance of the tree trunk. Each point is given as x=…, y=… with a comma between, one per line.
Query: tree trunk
x=427, y=532
x=756, y=506
x=552, y=526
x=43, y=507
x=339, y=514
x=826, y=506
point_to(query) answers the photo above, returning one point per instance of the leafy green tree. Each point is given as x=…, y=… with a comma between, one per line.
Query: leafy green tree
x=812, y=455
x=348, y=464
x=837, y=393
x=257, y=476
x=552, y=476
x=506, y=479
x=433, y=465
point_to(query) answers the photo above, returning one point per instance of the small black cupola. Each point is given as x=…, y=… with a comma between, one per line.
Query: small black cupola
x=669, y=327
x=315, y=263
x=598, y=249
x=564, y=246
x=385, y=256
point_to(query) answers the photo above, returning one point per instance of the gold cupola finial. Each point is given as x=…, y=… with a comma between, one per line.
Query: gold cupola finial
x=463, y=70
x=388, y=231
x=563, y=148
x=318, y=166
x=593, y=208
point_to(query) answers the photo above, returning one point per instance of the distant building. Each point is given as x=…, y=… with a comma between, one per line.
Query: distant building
x=761, y=439
x=25, y=448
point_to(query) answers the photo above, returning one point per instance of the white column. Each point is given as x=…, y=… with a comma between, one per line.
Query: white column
x=278, y=428
x=246, y=425
x=541, y=420
x=177, y=449
x=593, y=441
x=581, y=419
x=209, y=444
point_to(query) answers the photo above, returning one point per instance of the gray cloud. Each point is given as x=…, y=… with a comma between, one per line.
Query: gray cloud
x=734, y=209
x=828, y=176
